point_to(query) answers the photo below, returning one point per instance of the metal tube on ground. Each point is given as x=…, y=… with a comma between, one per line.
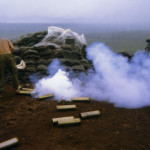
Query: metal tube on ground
x=9, y=143
x=27, y=89
x=66, y=107
x=55, y=120
x=90, y=114
x=75, y=121
x=46, y=96
x=81, y=99
x=24, y=92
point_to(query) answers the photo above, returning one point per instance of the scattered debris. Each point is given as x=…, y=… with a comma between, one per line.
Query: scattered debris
x=74, y=121
x=90, y=114
x=24, y=92
x=22, y=65
x=27, y=89
x=46, y=96
x=27, y=85
x=9, y=143
x=81, y=99
x=66, y=107
x=55, y=120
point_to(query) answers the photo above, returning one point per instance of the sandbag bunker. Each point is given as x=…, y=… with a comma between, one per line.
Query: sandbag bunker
x=34, y=52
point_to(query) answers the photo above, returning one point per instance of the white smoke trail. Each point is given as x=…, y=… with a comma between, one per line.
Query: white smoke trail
x=124, y=83
x=59, y=84
x=120, y=82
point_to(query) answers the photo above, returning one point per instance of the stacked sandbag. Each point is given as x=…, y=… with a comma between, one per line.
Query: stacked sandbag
x=70, y=58
x=83, y=51
x=38, y=54
x=148, y=45
x=46, y=52
x=30, y=39
x=30, y=57
x=125, y=54
x=30, y=54
x=38, y=59
x=42, y=69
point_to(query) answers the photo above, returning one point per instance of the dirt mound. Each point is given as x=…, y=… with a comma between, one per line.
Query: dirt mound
x=30, y=120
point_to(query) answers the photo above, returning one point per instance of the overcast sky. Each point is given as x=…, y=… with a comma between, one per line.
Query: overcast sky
x=92, y=11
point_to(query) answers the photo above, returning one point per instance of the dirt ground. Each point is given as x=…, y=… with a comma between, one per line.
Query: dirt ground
x=29, y=119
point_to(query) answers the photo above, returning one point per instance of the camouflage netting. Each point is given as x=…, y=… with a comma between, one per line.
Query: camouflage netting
x=39, y=49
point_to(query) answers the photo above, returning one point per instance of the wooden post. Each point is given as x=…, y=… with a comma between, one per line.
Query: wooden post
x=9, y=143
x=90, y=114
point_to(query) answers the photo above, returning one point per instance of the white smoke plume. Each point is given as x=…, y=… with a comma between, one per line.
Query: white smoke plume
x=57, y=82
x=115, y=79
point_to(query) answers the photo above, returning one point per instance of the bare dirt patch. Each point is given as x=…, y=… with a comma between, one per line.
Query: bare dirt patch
x=29, y=119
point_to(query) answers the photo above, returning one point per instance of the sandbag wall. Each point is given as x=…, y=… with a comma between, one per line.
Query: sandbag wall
x=29, y=39
x=38, y=58
x=37, y=61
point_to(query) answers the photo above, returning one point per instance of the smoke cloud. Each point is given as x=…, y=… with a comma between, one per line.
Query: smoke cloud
x=115, y=79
